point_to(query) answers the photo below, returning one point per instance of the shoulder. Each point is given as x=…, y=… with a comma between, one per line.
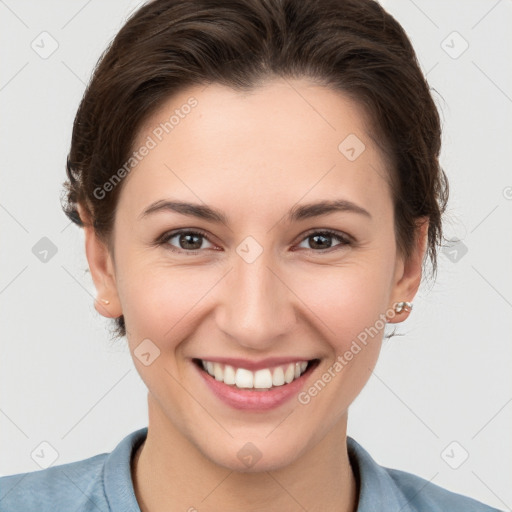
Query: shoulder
x=72, y=486
x=102, y=482
x=425, y=495
x=383, y=488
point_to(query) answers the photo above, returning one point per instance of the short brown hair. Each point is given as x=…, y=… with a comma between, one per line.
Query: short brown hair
x=353, y=46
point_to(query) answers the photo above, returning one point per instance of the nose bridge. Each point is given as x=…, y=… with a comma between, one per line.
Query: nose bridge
x=256, y=306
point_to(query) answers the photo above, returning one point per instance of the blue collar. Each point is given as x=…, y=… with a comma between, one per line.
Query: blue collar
x=379, y=488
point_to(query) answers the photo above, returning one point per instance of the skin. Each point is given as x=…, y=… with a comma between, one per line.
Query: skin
x=253, y=156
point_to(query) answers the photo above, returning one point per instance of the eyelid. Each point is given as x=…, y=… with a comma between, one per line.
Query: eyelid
x=342, y=236
x=333, y=232
x=165, y=237
x=344, y=239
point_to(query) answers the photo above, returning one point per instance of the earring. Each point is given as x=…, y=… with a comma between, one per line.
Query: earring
x=403, y=306
x=105, y=301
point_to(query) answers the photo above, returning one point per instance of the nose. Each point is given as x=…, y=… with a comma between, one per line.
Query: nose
x=257, y=306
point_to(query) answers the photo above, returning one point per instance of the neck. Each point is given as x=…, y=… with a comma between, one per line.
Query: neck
x=170, y=474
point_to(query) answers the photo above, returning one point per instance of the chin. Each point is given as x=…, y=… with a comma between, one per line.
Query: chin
x=262, y=461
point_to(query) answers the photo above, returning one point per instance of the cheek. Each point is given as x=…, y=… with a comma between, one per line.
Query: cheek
x=161, y=303
x=348, y=305
x=348, y=298
x=159, y=300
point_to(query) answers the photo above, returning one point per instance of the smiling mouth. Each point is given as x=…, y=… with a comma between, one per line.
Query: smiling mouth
x=264, y=379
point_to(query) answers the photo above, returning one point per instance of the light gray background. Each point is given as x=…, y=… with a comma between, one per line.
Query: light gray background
x=448, y=379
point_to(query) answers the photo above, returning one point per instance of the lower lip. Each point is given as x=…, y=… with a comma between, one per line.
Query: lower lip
x=254, y=400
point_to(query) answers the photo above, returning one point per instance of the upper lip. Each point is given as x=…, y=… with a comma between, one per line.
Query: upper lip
x=255, y=365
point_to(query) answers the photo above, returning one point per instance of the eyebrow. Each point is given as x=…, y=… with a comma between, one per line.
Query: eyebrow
x=301, y=212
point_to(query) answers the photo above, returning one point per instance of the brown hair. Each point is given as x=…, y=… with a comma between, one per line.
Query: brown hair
x=353, y=46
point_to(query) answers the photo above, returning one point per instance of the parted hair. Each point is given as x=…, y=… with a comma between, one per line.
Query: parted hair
x=351, y=46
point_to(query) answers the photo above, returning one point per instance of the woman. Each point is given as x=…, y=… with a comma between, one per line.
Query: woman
x=259, y=186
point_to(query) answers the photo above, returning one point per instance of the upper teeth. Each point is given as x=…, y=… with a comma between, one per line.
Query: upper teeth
x=260, y=379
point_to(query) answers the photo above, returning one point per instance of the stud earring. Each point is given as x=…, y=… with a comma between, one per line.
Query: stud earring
x=105, y=301
x=403, y=306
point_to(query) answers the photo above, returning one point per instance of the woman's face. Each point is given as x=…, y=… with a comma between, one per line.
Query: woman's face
x=264, y=282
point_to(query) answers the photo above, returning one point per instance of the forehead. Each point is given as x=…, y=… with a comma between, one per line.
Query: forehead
x=278, y=142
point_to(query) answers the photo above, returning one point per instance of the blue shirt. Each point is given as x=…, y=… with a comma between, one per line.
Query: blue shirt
x=103, y=483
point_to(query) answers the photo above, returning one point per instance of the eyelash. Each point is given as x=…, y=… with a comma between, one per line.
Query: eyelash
x=164, y=239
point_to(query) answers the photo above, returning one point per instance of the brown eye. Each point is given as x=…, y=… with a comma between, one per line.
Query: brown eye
x=185, y=241
x=322, y=240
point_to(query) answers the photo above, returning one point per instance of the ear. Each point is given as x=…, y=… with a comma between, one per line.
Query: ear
x=102, y=269
x=408, y=272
